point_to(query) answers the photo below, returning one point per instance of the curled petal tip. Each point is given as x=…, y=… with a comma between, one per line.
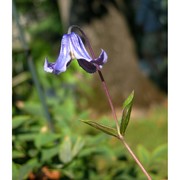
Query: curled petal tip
x=102, y=59
x=105, y=56
x=48, y=67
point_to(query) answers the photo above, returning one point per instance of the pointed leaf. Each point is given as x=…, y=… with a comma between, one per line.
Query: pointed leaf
x=160, y=153
x=26, y=137
x=143, y=154
x=43, y=139
x=18, y=154
x=127, y=106
x=129, y=99
x=78, y=146
x=47, y=154
x=15, y=170
x=65, y=154
x=105, y=129
x=19, y=120
x=28, y=167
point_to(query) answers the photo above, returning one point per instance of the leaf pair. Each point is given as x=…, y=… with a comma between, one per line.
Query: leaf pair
x=127, y=107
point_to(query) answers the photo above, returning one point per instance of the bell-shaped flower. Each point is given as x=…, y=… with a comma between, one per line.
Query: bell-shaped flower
x=72, y=47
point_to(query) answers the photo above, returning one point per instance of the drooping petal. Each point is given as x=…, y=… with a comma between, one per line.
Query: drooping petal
x=90, y=67
x=72, y=47
x=87, y=66
x=78, y=48
x=83, y=57
x=63, y=59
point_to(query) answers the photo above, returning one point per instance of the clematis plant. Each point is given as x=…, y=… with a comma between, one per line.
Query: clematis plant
x=73, y=48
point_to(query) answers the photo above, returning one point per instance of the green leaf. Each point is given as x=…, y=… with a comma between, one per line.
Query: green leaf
x=78, y=146
x=33, y=108
x=127, y=106
x=129, y=99
x=143, y=154
x=65, y=154
x=160, y=153
x=27, y=168
x=33, y=152
x=19, y=120
x=47, y=154
x=43, y=139
x=105, y=129
x=15, y=170
x=26, y=137
x=18, y=154
x=88, y=151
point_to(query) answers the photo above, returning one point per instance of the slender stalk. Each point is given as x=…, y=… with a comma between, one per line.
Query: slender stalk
x=117, y=126
x=110, y=102
x=136, y=159
x=121, y=138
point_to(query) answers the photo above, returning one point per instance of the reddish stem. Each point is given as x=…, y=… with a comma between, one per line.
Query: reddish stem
x=110, y=101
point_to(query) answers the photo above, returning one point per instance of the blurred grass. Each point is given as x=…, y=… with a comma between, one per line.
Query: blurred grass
x=151, y=131
x=147, y=127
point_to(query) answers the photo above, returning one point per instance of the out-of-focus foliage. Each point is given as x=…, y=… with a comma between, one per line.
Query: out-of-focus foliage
x=76, y=151
x=73, y=150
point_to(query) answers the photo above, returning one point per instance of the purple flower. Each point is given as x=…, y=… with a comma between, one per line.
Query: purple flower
x=72, y=47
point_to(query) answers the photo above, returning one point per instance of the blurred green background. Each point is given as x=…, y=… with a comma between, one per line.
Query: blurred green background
x=49, y=140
